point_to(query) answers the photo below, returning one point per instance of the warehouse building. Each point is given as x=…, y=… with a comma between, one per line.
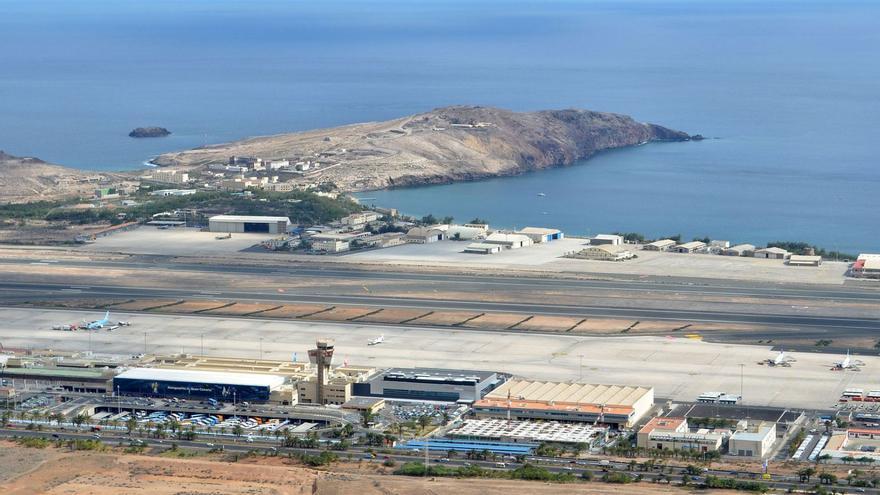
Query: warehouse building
x=615, y=405
x=509, y=241
x=430, y=384
x=740, y=250
x=331, y=243
x=772, y=253
x=483, y=248
x=661, y=245
x=180, y=383
x=867, y=266
x=674, y=434
x=425, y=235
x=608, y=252
x=465, y=232
x=801, y=260
x=246, y=224
x=689, y=247
x=540, y=235
x=614, y=240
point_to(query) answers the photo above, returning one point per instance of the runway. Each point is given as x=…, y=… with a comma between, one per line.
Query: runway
x=678, y=368
x=12, y=291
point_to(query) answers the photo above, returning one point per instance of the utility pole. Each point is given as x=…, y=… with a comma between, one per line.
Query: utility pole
x=145, y=343
x=203, y=344
x=426, y=457
x=741, y=368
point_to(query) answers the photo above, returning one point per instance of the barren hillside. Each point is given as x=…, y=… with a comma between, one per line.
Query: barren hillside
x=32, y=179
x=444, y=145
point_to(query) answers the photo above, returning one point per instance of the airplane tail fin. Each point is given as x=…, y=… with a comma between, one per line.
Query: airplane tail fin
x=107, y=315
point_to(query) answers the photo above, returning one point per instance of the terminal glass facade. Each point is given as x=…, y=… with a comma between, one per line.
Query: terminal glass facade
x=183, y=389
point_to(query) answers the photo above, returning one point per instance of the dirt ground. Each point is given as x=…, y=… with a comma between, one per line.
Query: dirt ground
x=52, y=471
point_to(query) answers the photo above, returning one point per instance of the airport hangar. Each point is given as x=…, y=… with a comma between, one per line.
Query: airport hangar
x=248, y=224
x=615, y=405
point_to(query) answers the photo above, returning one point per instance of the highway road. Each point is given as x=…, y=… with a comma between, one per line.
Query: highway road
x=595, y=467
x=12, y=292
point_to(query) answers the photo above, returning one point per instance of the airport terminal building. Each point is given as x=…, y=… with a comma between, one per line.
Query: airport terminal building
x=222, y=386
x=430, y=384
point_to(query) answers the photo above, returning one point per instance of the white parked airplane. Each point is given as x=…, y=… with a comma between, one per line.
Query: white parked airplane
x=848, y=363
x=377, y=340
x=781, y=359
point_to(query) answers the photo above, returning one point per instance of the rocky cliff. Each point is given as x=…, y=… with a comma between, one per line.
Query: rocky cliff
x=444, y=145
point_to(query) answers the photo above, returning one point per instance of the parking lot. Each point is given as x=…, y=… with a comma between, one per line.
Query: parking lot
x=176, y=241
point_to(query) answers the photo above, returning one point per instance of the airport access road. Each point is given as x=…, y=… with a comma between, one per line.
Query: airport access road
x=595, y=467
x=11, y=292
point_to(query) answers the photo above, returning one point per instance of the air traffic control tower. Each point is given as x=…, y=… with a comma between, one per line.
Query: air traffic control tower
x=322, y=358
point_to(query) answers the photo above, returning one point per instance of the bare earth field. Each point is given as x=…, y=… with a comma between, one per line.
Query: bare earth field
x=56, y=472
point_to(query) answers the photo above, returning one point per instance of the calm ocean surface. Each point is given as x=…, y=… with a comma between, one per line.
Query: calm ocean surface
x=790, y=88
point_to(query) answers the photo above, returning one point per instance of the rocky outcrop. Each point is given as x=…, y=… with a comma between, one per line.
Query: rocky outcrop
x=444, y=145
x=24, y=179
x=149, y=132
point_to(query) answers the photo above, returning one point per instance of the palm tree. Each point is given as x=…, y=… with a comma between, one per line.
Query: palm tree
x=445, y=417
x=806, y=473
x=367, y=417
x=424, y=421
x=79, y=419
x=130, y=424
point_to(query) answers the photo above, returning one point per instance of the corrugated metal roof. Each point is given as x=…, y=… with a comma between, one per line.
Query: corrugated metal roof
x=213, y=377
x=574, y=393
x=537, y=230
x=247, y=218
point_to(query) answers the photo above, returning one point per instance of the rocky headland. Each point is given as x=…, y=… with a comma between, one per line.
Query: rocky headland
x=444, y=145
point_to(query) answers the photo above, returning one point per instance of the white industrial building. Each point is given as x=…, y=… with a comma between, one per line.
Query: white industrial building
x=674, y=434
x=661, y=245
x=608, y=252
x=690, y=247
x=740, y=250
x=246, y=223
x=773, y=253
x=752, y=440
x=465, y=232
x=802, y=260
x=483, y=248
x=540, y=235
x=360, y=218
x=330, y=243
x=509, y=241
x=614, y=240
x=425, y=235
x=867, y=266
